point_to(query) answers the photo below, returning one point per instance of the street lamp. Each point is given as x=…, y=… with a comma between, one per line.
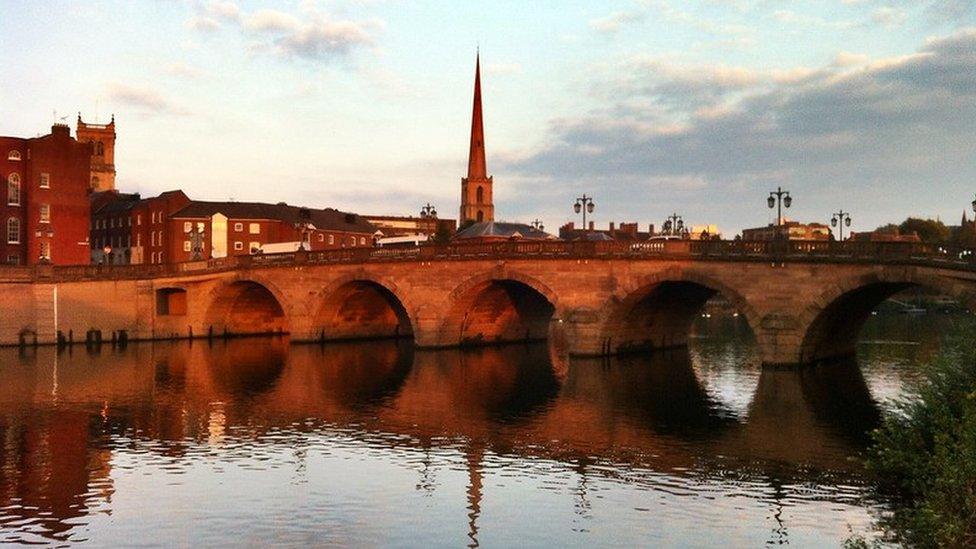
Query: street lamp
x=304, y=227
x=840, y=219
x=781, y=198
x=195, y=236
x=428, y=212
x=538, y=225
x=107, y=254
x=585, y=205
x=673, y=225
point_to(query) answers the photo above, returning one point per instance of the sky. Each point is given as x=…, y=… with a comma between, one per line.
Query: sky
x=652, y=107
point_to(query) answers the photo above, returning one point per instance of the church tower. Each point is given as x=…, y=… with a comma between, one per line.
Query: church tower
x=476, y=194
x=102, y=139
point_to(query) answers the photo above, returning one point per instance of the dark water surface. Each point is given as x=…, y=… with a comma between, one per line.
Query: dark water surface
x=255, y=442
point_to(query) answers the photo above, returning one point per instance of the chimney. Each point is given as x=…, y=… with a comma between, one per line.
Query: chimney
x=611, y=227
x=61, y=130
x=650, y=229
x=592, y=225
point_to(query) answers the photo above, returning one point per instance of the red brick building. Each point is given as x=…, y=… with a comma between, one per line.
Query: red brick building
x=242, y=228
x=132, y=229
x=46, y=209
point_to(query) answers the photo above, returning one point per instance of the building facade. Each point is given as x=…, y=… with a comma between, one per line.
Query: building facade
x=788, y=230
x=46, y=211
x=128, y=229
x=241, y=228
x=102, y=140
x=477, y=201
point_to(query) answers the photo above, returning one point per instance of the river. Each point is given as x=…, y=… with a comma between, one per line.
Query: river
x=254, y=441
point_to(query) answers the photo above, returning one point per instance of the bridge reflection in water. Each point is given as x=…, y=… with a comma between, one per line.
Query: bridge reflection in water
x=90, y=440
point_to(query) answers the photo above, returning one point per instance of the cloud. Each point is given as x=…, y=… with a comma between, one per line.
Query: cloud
x=612, y=23
x=950, y=11
x=309, y=34
x=888, y=16
x=209, y=17
x=184, y=70
x=142, y=98
x=890, y=126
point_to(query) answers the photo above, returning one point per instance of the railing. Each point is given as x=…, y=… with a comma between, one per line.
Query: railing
x=710, y=250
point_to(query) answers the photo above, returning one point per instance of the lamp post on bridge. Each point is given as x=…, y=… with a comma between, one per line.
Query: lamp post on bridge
x=585, y=205
x=304, y=227
x=195, y=236
x=428, y=212
x=839, y=220
x=674, y=224
x=538, y=225
x=779, y=198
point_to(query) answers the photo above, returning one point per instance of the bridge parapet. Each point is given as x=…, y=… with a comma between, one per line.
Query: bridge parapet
x=899, y=253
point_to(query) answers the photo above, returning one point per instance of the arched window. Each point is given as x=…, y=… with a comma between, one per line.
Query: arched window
x=480, y=195
x=100, y=149
x=481, y=216
x=13, y=231
x=13, y=189
x=13, y=155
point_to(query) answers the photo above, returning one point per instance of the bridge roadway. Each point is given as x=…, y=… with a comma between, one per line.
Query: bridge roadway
x=804, y=301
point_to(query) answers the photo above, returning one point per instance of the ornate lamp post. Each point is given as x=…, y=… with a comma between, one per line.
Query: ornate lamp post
x=782, y=199
x=107, y=254
x=304, y=227
x=840, y=220
x=585, y=205
x=538, y=225
x=428, y=212
x=195, y=236
x=673, y=225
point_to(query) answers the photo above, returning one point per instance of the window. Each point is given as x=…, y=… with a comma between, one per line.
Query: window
x=45, y=213
x=362, y=241
x=153, y=214
x=13, y=260
x=13, y=190
x=255, y=247
x=254, y=228
x=138, y=219
x=152, y=238
x=130, y=221
x=238, y=227
x=186, y=246
x=481, y=216
x=13, y=155
x=331, y=239
x=45, y=181
x=187, y=227
x=13, y=231
x=45, y=249
x=138, y=240
x=321, y=237
x=480, y=198
x=353, y=241
x=111, y=223
x=238, y=246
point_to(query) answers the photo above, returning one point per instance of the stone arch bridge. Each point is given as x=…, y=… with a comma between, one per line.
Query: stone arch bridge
x=804, y=301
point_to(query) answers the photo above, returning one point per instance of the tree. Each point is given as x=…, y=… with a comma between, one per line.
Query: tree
x=929, y=230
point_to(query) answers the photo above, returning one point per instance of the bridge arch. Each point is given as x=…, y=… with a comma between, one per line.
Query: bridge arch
x=658, y=313
x=832, y=323
x=246, y=306
x=500, y=307
x=361, y=307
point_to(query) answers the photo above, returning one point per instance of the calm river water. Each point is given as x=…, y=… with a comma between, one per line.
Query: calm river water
x=254, y=442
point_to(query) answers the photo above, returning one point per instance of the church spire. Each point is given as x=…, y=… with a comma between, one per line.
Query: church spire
x=477, y=168
x=476, y=189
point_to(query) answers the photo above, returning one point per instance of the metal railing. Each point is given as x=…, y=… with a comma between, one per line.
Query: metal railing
x=913, y=253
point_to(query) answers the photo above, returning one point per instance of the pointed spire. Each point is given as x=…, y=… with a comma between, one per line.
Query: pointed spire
x=477, y=168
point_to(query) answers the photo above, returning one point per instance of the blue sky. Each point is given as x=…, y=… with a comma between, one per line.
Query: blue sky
x=653, y=106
